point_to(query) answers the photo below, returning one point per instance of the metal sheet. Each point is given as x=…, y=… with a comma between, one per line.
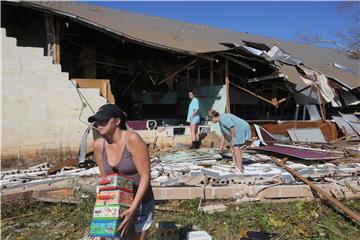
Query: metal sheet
x=292, y=75
x=345, y=127
x=348, y=98
x=298, y=153
x=306, y=97
x=347, y=79
x=306, y=135
x=263, y=135
x=313, y=112
x=275, y=53
x=267, y=138
x=353, y=121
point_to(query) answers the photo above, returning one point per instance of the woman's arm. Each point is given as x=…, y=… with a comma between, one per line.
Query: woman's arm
x=140, y=154
x=222, y=143
x=195, y=111
x=98, y=148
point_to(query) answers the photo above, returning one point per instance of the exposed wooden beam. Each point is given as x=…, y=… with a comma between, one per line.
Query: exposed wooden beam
x=254, y=94
x=211, y=73
x=131, y=83
x=245, y=65
x=198, y=77
x=293, y=94
x=177, y=71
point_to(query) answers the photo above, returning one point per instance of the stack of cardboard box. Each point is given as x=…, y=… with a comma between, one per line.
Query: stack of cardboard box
x=114, y=195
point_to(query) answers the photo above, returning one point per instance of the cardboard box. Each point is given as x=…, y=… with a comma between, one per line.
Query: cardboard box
x=120, y=197
x=108, y=212
x=115, y=181
x=104, y=228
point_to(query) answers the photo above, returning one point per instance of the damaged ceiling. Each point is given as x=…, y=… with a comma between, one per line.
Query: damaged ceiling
x=200, y=39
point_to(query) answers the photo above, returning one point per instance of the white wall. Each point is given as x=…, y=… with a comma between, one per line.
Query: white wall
x=40, y=107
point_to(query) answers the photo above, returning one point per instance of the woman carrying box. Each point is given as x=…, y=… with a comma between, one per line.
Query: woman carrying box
x=122, y=151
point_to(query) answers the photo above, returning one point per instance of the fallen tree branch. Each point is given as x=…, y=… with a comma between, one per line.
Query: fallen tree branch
x=318, y=190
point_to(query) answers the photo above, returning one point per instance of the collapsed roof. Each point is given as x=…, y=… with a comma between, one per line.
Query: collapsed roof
x=199, y=39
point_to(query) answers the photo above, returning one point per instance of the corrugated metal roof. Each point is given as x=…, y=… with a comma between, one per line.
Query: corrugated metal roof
x=186, y=37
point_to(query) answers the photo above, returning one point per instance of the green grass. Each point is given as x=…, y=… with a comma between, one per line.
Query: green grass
x=293, y=220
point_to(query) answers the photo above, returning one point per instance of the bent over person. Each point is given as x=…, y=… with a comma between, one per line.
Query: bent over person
x=235, y=130
x=122, y=151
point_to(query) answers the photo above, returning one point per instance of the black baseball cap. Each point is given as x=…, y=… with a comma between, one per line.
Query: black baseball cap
x=106, y=112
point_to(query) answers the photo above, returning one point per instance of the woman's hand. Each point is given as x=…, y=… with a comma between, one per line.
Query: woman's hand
x=126, y=219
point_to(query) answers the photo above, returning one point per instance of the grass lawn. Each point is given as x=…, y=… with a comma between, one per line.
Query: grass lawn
x=292, y=220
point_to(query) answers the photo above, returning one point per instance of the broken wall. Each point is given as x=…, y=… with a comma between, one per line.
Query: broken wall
x=40, y=108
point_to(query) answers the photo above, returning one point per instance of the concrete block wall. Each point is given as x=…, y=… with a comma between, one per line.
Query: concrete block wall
x=40, y=108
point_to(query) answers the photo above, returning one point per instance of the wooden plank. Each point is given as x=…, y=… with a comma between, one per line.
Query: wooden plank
x=274, y=103
x=211, y=73
x=318, y=190
x=65, y=195
x=102, y=84
x=198, y=77
x=110, y=97
x=60, y=166
x=88, y=82
x=187, y=78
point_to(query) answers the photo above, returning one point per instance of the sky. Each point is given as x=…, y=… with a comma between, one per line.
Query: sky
x=281, y=20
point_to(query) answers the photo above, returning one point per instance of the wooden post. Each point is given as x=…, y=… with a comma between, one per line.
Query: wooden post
x=198, y=77
x=187, y=78
x=318, y=190
x=57, y=40
x=211, y=73
x=227, y=85
x=50, y=36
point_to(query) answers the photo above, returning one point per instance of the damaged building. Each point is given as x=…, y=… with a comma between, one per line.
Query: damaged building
x=62, y=60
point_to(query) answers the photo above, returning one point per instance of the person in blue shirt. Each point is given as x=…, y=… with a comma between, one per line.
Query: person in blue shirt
x=235, y=130
x=193, y=117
